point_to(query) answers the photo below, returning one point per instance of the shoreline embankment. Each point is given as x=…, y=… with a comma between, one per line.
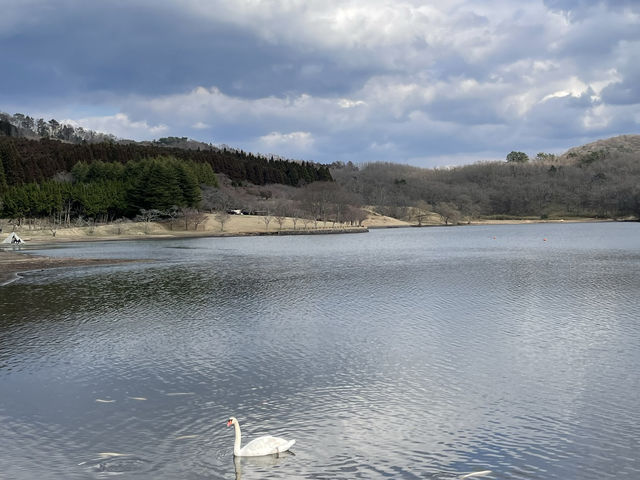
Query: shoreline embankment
x=16, y=259
x=13, y=261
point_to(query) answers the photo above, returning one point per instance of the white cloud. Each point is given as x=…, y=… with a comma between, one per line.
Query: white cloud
x=574, y=88
x=397, y=34
x=298, y=141
x=596, y=118
x=212, y=107
x=346, y=103
x=121, y=126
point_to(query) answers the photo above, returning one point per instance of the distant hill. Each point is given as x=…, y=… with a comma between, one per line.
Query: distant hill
x=175, y=142
x=600, y=179
x=622, y=144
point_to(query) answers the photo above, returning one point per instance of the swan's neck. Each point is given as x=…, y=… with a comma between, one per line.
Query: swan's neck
x=236, y=444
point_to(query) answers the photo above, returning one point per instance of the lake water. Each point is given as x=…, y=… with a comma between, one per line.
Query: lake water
x=405, y=354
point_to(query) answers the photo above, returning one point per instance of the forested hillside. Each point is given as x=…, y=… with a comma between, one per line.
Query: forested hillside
x=602, y=181
x=27, y=161
x=52, y=170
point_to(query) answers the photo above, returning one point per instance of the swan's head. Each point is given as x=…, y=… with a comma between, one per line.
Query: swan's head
x=232, y=421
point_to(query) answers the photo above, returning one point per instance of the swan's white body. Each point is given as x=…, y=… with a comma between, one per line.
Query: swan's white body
x=260, y=446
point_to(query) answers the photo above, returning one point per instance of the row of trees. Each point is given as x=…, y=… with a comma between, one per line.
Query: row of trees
x=317, y=204
x=27, y=126
x=27, y=161
x=62, y=145
x=105, y=191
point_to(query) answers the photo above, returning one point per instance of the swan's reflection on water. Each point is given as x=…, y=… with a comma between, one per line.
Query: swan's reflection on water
x=262, y=462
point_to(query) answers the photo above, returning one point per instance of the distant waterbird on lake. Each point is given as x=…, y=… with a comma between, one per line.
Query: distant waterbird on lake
x=260, y=446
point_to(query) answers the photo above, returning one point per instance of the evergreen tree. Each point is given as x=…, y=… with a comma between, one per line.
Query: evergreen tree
x=188, y=184
x=205, y=174
x=13, y=170
x=3, y=178
x=80, y=172
x=162, y=188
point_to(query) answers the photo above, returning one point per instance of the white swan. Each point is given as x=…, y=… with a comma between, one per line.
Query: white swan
x=260, y=446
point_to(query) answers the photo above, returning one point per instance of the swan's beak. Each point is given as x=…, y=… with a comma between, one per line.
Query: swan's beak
x=229, y=422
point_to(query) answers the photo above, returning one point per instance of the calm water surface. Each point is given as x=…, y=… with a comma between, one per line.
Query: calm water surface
x=410, y=353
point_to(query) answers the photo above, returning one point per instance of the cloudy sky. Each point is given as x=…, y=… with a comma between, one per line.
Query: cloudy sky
x=428, y=83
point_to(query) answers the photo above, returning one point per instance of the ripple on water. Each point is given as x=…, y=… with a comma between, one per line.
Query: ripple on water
x=416, y=354
x=116, y=464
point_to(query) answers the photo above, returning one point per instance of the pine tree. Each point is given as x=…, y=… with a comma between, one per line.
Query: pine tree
x=13, y=169
x=3, y=178
x=188, y=183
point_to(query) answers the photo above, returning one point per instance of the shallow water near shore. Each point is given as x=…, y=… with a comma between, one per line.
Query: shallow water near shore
x=405, y=353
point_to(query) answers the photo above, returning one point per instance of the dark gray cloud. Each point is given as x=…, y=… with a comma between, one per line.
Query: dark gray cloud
x=623, y=93
x=627, y=90
x=580, y=9
x=408, y=81
x=127, y=48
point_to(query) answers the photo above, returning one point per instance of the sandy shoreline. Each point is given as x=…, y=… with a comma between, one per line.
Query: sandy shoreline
x=12, y=263
x=235, y=225
x=240, y=225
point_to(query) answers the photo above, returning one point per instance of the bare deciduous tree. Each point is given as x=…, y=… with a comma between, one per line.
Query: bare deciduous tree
x=267, y=220
x=281, y=212
x=222, y=217
x=280, y=219
x=148, y=216
x=188, y=214
x=355, y=215
x=198, y=218
x=448, y=212
x=173, y=214
x=295, y=217
x=216, y=199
